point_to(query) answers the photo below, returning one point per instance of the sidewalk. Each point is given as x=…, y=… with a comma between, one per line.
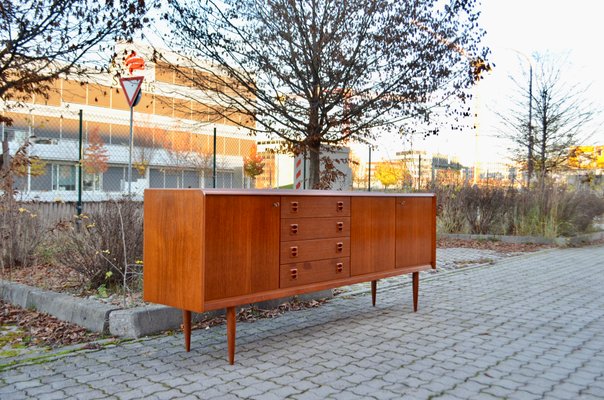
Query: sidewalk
x=526, y=327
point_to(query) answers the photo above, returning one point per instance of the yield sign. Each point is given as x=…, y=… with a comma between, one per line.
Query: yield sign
x=131, y=86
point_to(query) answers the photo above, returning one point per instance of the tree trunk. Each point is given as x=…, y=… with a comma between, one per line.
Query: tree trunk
x=314, y=167
x=314, y=138
x=5, y=155
x=5, y=184
x=544, y=135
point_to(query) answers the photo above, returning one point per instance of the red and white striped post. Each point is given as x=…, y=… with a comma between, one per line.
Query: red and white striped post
x=299, y=172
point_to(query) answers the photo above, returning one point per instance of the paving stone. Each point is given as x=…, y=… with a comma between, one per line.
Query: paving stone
x=523, y=328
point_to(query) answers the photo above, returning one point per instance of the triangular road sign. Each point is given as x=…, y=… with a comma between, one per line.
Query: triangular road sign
x=131, y=86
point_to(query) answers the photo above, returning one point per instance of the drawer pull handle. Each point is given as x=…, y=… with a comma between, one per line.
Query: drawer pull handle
x=294, y=206
x=294, y=251
x=340, y=206
x=340, y=226
x=339, y=247
x=403, y=203
x=339, y=267
x=294, y=273
x=276, y=204
x=294, y=229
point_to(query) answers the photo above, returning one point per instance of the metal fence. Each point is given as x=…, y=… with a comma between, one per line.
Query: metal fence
x=78, y=156
x=83, y=155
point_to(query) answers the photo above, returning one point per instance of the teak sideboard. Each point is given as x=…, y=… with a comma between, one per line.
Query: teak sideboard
x=207, y=249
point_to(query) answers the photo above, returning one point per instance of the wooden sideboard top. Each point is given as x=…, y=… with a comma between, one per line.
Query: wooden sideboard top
x=292, y=192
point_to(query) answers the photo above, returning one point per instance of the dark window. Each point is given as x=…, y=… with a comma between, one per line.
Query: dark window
x=42, y=182
x=156, y=178
x=173, y=179
x=190, y=179
x=112, y=179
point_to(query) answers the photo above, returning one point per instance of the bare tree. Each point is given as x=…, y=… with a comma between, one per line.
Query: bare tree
x=322, y=71
x=41, y=40
x=561, y=113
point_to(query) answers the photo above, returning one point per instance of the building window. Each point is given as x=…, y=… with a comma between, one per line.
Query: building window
x=64, y=177
x=173, y=178
x=91, y=182
x=113, y=178
x=43, y=182
x=224, y=179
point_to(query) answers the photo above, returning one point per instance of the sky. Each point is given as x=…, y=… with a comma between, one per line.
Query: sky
x=562, y=27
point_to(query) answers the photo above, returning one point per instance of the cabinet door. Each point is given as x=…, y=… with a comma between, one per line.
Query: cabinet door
x=415, y=231
x=372, y=230
x=242, y=245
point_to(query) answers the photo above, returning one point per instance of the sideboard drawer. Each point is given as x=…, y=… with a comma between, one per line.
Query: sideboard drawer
x=314, y=228
x=309, y=250
x=303, y=273
x=306, y=207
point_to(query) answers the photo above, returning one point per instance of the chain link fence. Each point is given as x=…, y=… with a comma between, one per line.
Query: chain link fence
x=79, y=156
x=82, y=156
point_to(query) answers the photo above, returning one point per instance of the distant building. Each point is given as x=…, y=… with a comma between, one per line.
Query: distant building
x=278, y=165
x=173, y=136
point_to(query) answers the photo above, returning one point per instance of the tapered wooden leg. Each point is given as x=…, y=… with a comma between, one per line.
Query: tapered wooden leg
x=231, y=330
x=415, y=290
x=373, y=292
x=186, y=328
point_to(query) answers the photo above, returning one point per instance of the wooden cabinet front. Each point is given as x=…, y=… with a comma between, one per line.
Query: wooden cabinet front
x=318, y=249
x=208, y=249
x=241, y=236
x=372, y=235
x=314, y=228
x=315, y=207
x=415, y=232
x=303, y=273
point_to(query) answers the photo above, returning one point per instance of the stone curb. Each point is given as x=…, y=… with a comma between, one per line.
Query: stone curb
x=560, y=241
x=151, y=319
x=130, y=323
x=83, y=312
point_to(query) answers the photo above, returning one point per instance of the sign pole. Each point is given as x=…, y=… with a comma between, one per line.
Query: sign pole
x=132, y=90
x=130, y=154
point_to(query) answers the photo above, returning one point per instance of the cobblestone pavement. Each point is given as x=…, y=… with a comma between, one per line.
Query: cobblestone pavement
x=447, y=259
x=526, y=327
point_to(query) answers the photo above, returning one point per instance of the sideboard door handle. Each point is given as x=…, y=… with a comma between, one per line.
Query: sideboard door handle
x=294, y=251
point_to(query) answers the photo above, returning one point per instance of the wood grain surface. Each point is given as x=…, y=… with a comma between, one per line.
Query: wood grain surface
x=173, y=248
x=372, y=235
x=242, y=242
x=414, y=232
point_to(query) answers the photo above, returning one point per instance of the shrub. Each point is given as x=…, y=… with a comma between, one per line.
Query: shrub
x=104, y=246
x=20, y=229
x=548, y=210
x=21, y=232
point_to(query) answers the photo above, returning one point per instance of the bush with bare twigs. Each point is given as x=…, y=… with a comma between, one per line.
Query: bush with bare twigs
x=547, y=210
x=105, y=247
